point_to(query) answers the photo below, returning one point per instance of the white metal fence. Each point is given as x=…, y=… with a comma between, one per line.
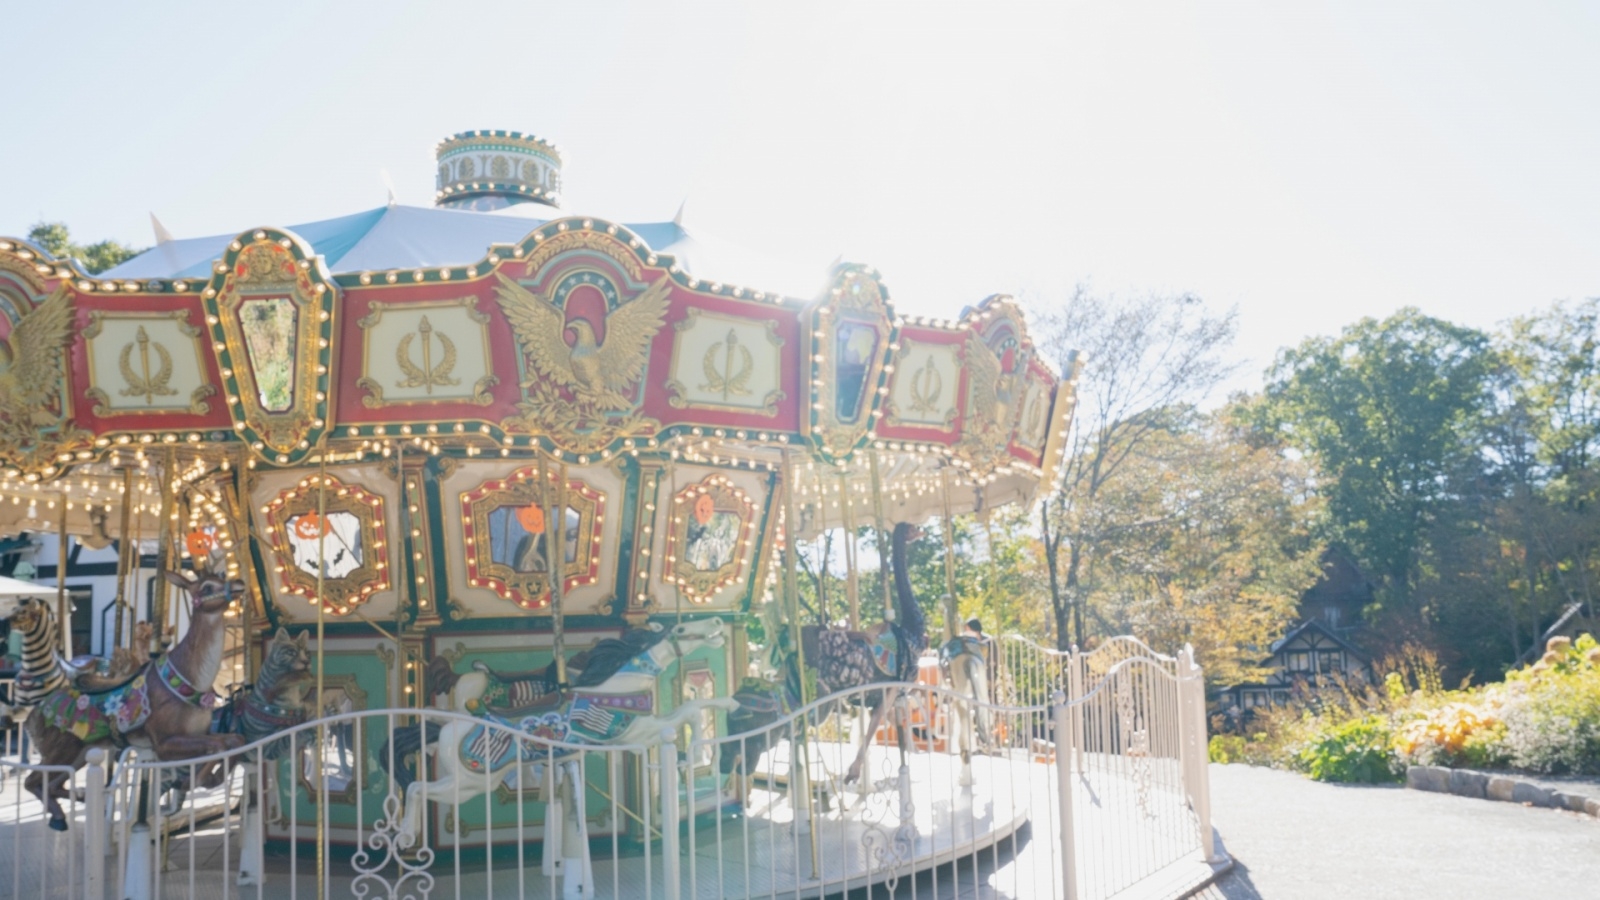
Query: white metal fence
x=1101, y=793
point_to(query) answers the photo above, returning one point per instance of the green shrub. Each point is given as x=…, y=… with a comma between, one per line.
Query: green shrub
x=1355, y=751
x=1226, y=748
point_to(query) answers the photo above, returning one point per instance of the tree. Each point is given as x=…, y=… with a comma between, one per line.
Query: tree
x=96, y=258
x=1206, y=537
x=1390, y=411
x=1145, y=358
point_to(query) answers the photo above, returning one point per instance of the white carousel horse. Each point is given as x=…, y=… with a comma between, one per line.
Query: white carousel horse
x=965, y=660
x=602, y=708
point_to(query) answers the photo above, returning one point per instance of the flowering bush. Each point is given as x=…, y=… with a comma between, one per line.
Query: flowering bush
x=1552, y=711
x=1459, y=733
x=1543, y=718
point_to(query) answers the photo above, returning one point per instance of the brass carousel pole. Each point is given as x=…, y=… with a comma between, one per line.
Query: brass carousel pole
x=851, y=586
x=63, y=613
x=402, y=587
x=555, y=557
x=949, y=530
x=880, y=535
x=791, y=597
x=124, y=537
x=158, y=602
x=322, y=778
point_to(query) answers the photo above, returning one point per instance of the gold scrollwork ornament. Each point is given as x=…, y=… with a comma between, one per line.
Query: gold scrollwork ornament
x=142, y=382
x=733, y=380
x=427, y=375
x=926, y=386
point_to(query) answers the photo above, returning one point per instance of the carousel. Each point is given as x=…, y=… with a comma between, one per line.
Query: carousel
x=544, y=473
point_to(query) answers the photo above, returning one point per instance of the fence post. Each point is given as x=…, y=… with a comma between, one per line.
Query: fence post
x=1074, y=665
x=1192, y=717
x=94, y=818
x=670, y=817
x=1064, y=751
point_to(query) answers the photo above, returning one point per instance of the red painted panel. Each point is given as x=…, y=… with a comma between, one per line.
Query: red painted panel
x=78, y=366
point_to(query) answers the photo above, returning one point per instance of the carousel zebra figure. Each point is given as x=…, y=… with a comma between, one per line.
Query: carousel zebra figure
x=40, y=672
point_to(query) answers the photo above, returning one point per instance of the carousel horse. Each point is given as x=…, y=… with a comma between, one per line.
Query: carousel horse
x=842, y=660
x=611, y=702
x=165, y=705
x=965, y=661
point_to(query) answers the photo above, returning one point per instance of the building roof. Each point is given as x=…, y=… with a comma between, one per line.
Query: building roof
x=407, y=237
x=1313, y=624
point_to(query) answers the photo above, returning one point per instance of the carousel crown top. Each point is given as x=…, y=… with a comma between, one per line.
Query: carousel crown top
x=497, y=343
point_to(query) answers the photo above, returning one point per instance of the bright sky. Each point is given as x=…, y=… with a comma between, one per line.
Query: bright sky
x=1308, y=162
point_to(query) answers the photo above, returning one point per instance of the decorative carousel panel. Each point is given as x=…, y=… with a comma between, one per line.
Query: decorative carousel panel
x=507, y=535
x=585, y=317
x=329, y=535
x=702, y=544
x=709, y=544
x=35, y=408
x=347, y=541
x=495, y=542
x=426, y=353
x=851, y=341
x=924, y=387
x=271, y=307
x=996, y=358
x=726, y=363
x=1033, y=419
x=146, y=362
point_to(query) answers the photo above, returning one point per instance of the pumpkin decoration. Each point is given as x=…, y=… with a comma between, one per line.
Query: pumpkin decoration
x=704, y=508
x=310, y=527
x=199, y=544
x=531, y=518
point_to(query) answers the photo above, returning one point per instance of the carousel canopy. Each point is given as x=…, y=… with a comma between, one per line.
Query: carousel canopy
x=495, y=327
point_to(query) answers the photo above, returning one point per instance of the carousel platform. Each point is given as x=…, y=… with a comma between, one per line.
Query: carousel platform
x=994, y=839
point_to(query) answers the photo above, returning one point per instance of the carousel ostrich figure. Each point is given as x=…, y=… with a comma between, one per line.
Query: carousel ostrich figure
x=843, y=660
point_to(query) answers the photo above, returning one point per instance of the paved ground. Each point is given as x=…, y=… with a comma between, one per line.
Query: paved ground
x=1296, y=839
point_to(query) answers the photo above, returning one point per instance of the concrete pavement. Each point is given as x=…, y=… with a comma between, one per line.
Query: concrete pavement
x=1296, y=839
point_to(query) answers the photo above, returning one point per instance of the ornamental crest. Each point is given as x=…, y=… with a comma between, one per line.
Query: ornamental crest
x=585, y=334
x=34, y=412
x=996, y=360
x=272, y=310
x=852, y=336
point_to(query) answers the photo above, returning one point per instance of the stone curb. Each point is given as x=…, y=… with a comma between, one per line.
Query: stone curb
x=1467, y=783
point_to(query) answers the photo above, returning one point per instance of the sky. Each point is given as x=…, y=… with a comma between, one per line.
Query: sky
x=1307, y=164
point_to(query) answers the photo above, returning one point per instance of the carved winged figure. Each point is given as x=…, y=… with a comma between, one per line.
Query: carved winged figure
x=598, y=374
x=30, y=368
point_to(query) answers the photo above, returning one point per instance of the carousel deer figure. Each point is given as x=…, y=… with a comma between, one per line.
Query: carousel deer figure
x=165, y=705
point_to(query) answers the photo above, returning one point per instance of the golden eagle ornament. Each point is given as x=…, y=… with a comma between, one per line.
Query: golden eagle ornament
x=30, y=373
x=599, y=375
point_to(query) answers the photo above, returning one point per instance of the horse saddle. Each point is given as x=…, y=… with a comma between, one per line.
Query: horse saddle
x=885, y=646
x=99, y=679
x=515, y=699
x=100, y=716
x=961, y=644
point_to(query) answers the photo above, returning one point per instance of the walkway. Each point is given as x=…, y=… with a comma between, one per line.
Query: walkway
x=1296, y=839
